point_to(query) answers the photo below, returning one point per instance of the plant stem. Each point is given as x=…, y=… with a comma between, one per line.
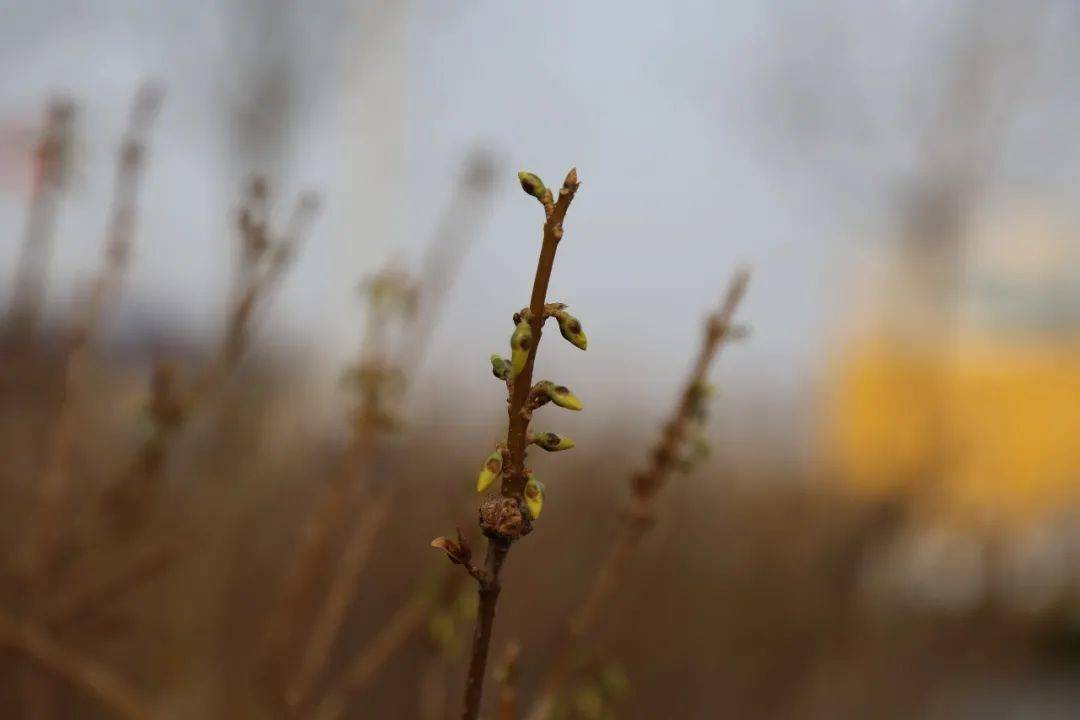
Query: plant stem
x=89, y=676
x=514, y=478
x=490, y=587
x=645, y=486
x=517, y=436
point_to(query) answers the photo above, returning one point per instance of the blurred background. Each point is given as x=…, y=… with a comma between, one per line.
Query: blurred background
x=256, y=254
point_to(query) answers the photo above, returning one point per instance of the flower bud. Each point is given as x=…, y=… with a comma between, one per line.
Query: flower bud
x=534, y=497
x=500, y=367
x=552, y=442
x=521, y=343
x=570, y=327
x=533, y=185
x=560, y=395
x=491, y=470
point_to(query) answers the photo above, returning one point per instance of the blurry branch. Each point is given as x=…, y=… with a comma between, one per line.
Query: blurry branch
x=264, y=260
x=362, y=669
x=380, y=380
x=306, y=626
x=52, y=166
x=88, y=676
x=55, y=479
x=508, y=681
x=509, y=516
x=443, y=606
x=667, y=457
x=90, y=594
x=448, y=249
x=339, y=597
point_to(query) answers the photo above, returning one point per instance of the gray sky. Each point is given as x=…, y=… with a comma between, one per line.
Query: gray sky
x=696, y=153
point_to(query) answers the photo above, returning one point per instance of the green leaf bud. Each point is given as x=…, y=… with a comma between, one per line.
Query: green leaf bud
x=491, y=470
x=560, y=395
x=534, y=497
x=521, y=343
x=570, y=327
x=552, y=442
x=500, y=367
x=533, y=185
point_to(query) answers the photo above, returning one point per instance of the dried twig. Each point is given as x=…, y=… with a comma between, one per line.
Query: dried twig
x=90, y=594
x=51, y=168
x=265, y=259
x=508, y=680
x=55, y=477
x=87, y=675
x=328, y=623
x=645, y=486
x=362, y=669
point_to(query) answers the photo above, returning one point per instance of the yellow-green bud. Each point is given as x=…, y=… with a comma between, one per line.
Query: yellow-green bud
x=500, y=367
x=521, y=343
x=570, y=327
x=560, y=395
x=552, y=442
x=533, y=185
x=491, y=470
x=534, y=497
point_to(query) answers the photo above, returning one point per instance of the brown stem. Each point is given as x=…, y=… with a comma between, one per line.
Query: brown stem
x=645, y=486
x=51, y=168
x=490, y=586
x=517, y=439
x=340, y=595
x=55, y=476
x=517, y=436
x=92, y=678
x=508, y=691
x=361, y=670
x=93, y=590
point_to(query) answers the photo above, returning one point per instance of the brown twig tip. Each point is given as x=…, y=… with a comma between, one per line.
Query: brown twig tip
x=571, y=183
x=458, y=551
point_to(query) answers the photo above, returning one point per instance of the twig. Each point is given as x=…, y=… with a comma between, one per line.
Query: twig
x=362, y=669
x=644, y=487
x=508, y=683
x=96, y=592
x=91, y=677
x=505, y=519
x=325, y=630
x=51, y=167
x=265, y=261
x=55, y=476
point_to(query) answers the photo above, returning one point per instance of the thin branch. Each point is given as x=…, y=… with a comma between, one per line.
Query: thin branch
x=51, y=167
x=92, y=678
x=508, y=683
x=361, y=670
x=517, y=436
x=645, y=487
x=91, y=594
x=55, y=476
x=325, y=630
x=504, y=519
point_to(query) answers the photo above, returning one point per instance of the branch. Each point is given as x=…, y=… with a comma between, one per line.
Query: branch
x=342, y=590
x=360, y=671
x=92, y=678
x=517, y=439
x=504, y=519
x=644, y=486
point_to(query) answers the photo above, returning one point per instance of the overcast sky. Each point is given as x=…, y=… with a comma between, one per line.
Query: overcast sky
x=707, y=135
